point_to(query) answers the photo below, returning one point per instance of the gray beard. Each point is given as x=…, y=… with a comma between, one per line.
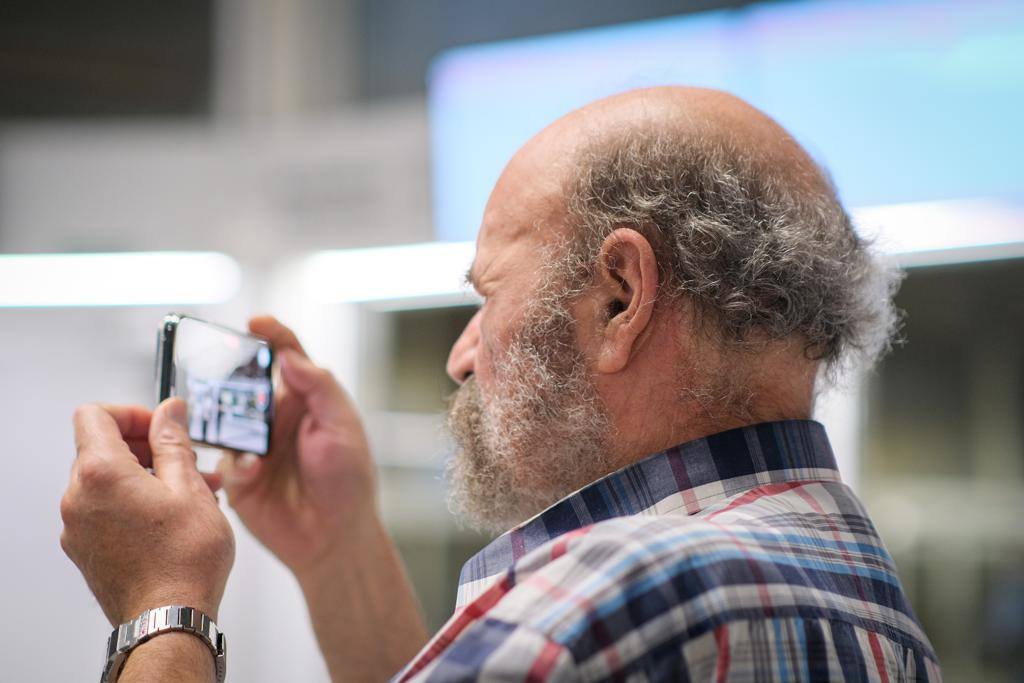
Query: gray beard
x=542, y=434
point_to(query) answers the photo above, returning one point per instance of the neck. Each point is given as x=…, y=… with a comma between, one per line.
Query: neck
x=661, y=415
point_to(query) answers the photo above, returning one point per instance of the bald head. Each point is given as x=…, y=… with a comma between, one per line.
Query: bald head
x=696, y=116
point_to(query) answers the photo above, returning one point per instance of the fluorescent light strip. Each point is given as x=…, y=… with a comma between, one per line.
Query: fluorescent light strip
x=932, y=233
x=387, y=273
x=117, y=279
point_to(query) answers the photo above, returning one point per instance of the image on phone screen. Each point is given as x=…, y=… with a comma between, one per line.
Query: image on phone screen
x=225, y=379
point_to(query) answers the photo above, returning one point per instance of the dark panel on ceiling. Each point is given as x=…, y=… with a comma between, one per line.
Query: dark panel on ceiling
x=100, y=58
x=400, y=37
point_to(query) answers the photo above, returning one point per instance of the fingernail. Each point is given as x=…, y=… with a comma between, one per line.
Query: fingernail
x=178, y=411
x=246, y=461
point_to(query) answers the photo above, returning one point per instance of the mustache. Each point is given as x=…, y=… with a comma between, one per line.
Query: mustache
x=468, y=385
x=464, y=416
x=462, y=396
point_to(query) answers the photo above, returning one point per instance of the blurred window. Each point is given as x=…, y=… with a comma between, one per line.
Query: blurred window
x=943, y=462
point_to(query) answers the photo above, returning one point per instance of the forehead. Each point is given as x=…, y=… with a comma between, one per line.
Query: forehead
x=526, y=210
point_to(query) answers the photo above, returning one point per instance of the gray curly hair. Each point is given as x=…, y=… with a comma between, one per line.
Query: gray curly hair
x=764, y=253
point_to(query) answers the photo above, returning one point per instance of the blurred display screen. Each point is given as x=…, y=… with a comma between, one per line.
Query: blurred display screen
x=225, y=379
x=901, y=101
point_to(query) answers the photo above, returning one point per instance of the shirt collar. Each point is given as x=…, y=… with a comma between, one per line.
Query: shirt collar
x=685, y=478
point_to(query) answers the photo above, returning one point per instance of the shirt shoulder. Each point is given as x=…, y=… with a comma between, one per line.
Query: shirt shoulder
x=660, y=581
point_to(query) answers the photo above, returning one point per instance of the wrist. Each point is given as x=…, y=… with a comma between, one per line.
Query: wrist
x=356, y=546
x=169, y=595
x=362, y=606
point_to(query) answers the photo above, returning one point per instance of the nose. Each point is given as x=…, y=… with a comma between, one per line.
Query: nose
x=462, y=359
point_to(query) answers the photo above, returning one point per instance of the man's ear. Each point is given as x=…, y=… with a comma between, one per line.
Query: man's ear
x=627, y=286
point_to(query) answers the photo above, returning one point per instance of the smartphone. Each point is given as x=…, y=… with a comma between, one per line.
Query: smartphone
x=224, y=377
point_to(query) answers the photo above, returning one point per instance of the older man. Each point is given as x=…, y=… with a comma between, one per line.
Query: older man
x=666, y=275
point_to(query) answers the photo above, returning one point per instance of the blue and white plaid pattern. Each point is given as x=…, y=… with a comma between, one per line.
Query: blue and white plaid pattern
x=740, y=556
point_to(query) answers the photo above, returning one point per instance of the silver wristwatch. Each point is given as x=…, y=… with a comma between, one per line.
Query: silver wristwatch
x=163, y=620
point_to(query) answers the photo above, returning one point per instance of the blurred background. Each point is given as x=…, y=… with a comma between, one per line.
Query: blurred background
x=328, y=160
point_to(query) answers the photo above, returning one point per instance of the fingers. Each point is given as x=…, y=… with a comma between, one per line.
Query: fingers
x=280, y=336
x=98, y=433
x=214, y=480
x=141, y=450
x=132, y=421
x=322, y=394
x=238, y=471
x=174, y=461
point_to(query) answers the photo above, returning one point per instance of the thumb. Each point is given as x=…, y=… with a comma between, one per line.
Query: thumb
x=323, y=396
x=174, y=461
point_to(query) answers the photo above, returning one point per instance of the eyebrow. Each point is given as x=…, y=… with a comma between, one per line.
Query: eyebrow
x=468, y=278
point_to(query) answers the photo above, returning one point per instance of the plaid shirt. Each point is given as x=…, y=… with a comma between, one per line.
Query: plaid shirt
x=736, y=557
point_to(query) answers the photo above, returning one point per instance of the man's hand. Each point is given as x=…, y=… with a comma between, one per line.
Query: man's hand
x=312, y=502
x=140, y=540
x=315, y=490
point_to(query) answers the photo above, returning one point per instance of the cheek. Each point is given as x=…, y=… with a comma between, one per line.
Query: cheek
x=591, y=324
x=484, y=366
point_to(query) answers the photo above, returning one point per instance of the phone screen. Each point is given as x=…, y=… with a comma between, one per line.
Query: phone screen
x=224, y=376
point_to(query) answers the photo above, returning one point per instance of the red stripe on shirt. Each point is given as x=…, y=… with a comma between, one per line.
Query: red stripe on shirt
x=561, y=544
x=544, y=663
x=760, y=492
x=876, y=652
x=722, y=641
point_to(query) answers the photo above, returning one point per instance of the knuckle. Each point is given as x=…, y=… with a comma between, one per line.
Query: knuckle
x=84, y=411
x=172, y=438
x=93, y=471
x=325, y=376
x=68, y=509
x=65, y=543
x=90, y=469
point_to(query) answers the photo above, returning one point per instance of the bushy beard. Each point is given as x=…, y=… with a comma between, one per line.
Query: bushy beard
x=538, y=436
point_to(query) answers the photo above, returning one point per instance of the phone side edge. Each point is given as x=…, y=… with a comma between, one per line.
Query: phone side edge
x=165, y=351
x=271, y=412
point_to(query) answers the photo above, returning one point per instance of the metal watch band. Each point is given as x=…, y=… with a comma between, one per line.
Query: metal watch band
x=153, y=622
